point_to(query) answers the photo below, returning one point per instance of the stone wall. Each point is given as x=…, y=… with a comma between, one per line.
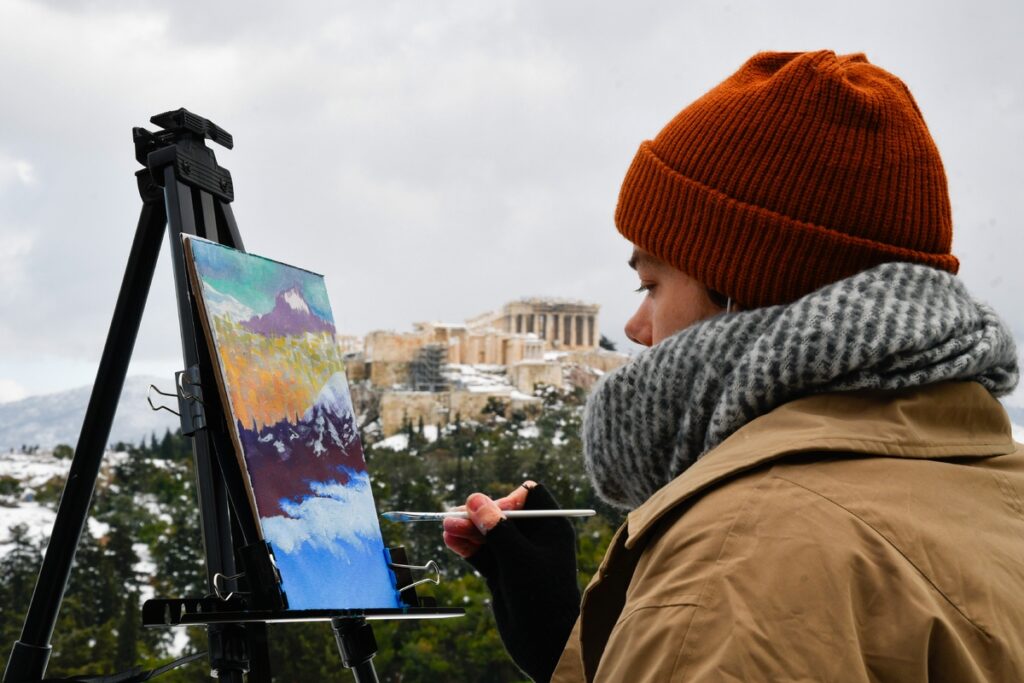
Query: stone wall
x=387, y=346
x=527, y=374
x=397, y=408
x=386, y=374
x=356, y=369
x=599, y=359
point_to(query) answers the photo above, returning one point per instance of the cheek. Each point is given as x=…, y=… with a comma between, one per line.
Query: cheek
x=674, y=313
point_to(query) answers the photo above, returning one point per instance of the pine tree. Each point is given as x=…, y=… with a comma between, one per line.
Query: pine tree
x=18, y=570
x=127, y=653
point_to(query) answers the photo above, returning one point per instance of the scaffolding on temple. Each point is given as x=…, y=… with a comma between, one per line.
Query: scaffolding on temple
x=425, y=369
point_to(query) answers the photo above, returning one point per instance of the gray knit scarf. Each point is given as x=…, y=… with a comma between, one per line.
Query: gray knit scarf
x=897, y=325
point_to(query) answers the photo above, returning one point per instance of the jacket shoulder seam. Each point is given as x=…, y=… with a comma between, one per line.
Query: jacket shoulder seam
x=892, y=545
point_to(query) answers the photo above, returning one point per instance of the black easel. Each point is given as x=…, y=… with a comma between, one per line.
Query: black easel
x=184, y=188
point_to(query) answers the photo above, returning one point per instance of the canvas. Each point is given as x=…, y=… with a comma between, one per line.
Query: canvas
x=282, y=380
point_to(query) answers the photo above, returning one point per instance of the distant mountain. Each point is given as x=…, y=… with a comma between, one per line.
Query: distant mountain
x=291, y=316
x=52, y=419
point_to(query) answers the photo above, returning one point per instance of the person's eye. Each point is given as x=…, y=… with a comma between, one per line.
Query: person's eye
x=644, y=288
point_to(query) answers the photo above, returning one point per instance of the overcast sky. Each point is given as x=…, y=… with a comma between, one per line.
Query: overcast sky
x=433, y=159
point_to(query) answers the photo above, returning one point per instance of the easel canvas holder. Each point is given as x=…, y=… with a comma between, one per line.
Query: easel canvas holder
x=182, y=187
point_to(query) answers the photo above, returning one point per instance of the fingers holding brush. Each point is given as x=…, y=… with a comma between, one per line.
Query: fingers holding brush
x=465, y=536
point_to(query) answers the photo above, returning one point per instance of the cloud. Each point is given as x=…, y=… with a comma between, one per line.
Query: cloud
x=11, y=391
x=16, y=171
x=15, y=247
x=334, y=517
x=437, y=159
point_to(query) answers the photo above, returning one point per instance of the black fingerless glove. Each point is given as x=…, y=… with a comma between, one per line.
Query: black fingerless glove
x=530, y=568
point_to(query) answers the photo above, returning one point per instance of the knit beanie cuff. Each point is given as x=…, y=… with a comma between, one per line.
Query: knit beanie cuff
x=756, y=256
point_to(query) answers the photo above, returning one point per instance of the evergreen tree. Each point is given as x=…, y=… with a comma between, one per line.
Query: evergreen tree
x=128, y=627
x=18, y=570
x=147, y=505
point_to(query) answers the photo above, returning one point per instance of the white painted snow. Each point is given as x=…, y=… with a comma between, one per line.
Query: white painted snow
x=294, y=299
x=315, y=520
x=333, y=398
x=225, y=306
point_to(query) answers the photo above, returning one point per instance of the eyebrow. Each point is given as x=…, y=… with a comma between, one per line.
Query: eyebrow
x=638, y=257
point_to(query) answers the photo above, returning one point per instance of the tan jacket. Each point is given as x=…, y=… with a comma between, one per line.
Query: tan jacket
x=843, y=537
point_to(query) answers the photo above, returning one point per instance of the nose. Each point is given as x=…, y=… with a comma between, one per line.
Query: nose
x=638, y=328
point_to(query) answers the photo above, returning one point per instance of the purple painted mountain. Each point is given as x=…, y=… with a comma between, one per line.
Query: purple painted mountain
x=291, y=316
x=319, y=446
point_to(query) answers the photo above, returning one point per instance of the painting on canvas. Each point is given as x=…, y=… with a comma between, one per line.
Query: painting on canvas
x=282, y=377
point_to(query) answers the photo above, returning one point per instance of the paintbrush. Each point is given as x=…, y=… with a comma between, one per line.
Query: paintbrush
x=402, y=516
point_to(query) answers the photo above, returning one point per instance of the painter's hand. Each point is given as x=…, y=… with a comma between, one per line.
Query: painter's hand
x=465, y=536
x=530, y=568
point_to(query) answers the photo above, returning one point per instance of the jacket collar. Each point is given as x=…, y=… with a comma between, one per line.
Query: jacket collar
x=959, y=419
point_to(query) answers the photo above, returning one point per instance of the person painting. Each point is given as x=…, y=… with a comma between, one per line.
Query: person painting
x=820, y=481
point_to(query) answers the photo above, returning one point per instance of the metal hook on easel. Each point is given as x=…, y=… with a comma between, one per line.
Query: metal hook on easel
x=429, y=566
x=192, y=375
x=156, y=408
x=190, y=401
x=219, y=592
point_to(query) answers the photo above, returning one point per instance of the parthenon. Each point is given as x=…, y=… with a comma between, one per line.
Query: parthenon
x=560, y=323
x=427, y=373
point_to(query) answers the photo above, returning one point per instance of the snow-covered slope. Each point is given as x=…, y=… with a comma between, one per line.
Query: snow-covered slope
x=53, y=419
x=31, y=472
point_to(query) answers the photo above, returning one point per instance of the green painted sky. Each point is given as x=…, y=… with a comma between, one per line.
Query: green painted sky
x=255, y=281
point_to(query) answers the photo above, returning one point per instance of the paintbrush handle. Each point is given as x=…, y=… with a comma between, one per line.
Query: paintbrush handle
x=402, y=516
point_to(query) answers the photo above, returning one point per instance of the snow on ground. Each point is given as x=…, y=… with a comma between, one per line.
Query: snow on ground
x=33, y=470
x=483, y=379
x=477, y=378
x=395, y=442
x=146, y=568
x=400, y=441
x=39, y=520
x=529, y=431
x=152, y=506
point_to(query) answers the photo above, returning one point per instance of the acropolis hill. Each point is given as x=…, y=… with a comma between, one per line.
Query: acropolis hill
x=443, y=370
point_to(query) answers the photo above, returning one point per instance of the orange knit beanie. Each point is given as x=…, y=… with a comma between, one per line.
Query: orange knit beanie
x=798, y=170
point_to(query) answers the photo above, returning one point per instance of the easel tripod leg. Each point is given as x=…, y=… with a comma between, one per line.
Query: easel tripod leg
x=357, y=646
x=32, y=651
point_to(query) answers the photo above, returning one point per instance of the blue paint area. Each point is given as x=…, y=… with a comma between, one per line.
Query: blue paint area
x=316, y=578
x=329, y=548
